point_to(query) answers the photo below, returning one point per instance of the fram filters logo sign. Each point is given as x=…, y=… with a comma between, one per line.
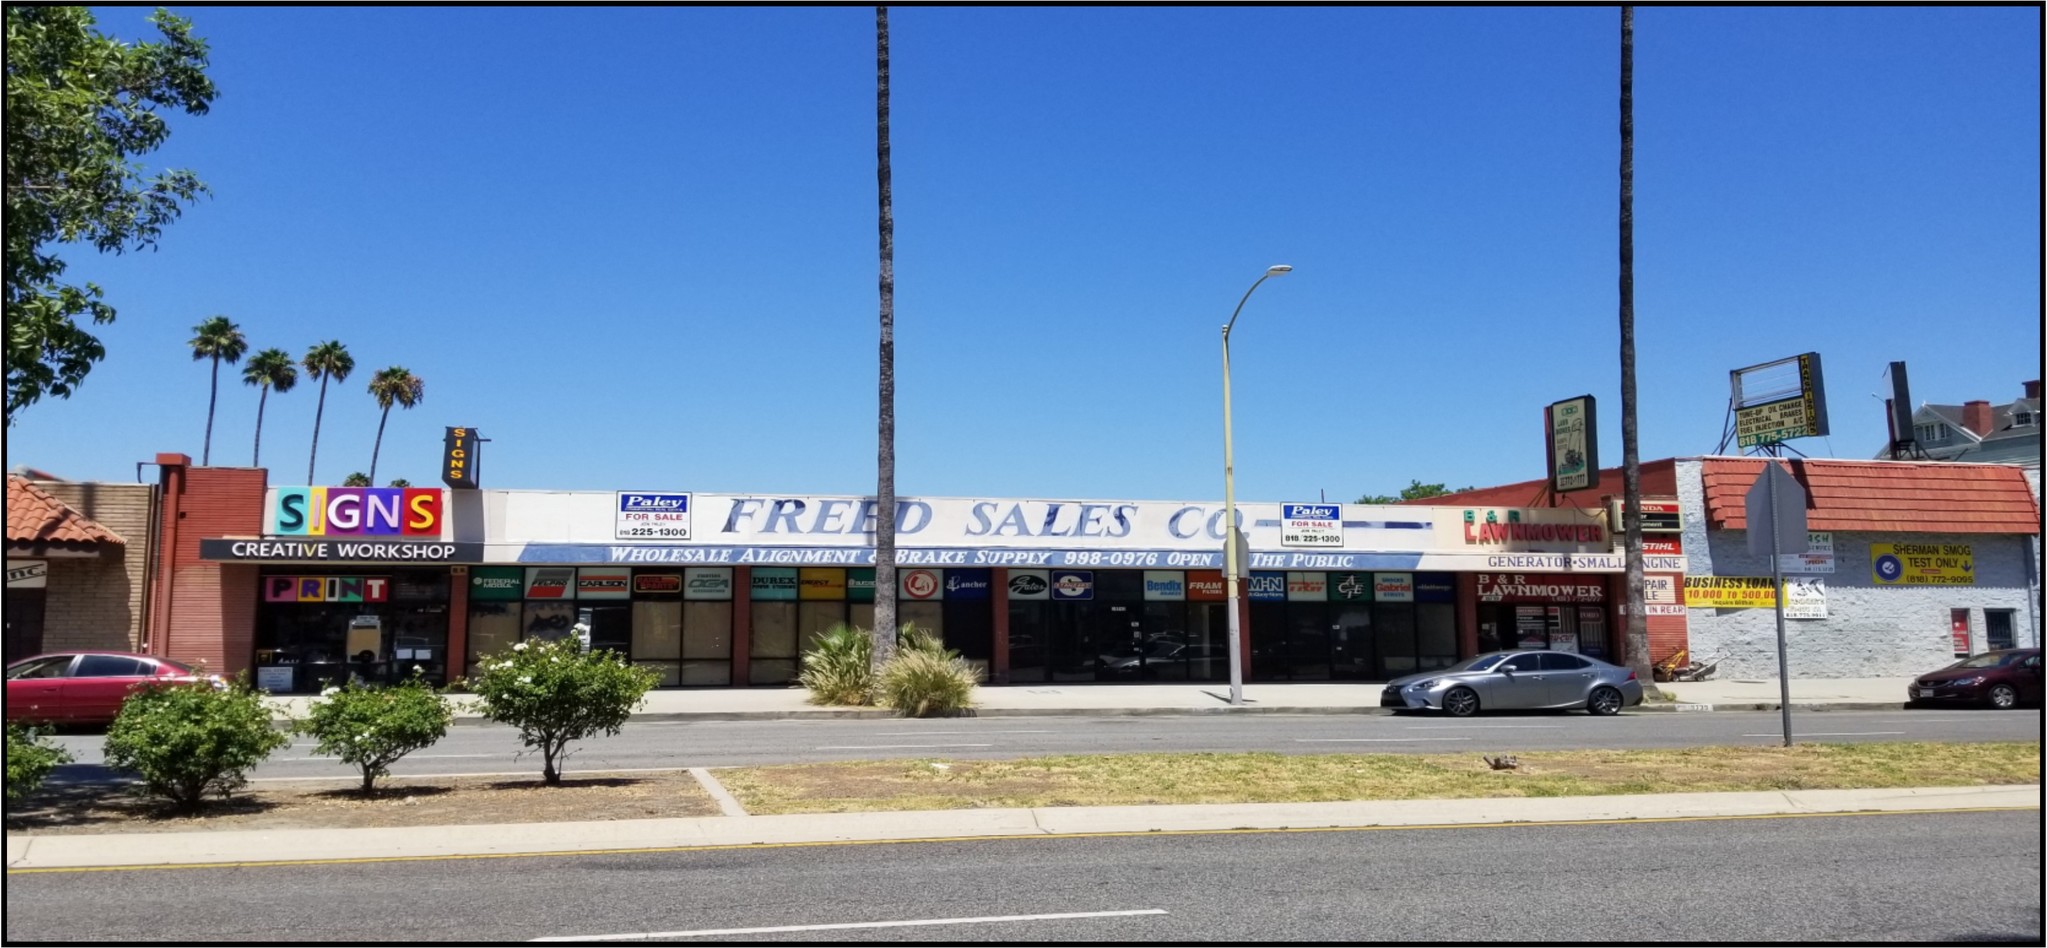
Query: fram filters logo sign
x=356, y=511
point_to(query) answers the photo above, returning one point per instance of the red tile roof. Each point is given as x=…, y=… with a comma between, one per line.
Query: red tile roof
x=36, y=519
x=1884, y=496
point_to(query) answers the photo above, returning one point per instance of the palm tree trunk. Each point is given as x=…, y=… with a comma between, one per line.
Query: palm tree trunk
x=885, y=491
x=378, y=448
x=206, y=452
x=261, y=400
x=317, y=413
x=1631, y=460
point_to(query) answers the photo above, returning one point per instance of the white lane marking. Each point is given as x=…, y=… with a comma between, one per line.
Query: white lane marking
x=1375, y=740
x=1483, y=727
x=842, y=926
x=867, y=747
x=955, y=733
x=566, y=775
x=1797, y=733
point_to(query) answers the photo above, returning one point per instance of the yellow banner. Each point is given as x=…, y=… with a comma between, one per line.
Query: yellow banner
x=1922, y=564
x=1730, y=592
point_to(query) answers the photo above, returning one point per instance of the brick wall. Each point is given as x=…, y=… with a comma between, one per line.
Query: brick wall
x=207, y=610
x=96, y=602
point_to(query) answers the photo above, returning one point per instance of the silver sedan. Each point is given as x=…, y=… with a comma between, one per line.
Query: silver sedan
x=1519, y=680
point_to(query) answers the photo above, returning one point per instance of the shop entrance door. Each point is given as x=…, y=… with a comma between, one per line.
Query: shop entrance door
x=24, y=624
x=611, y=627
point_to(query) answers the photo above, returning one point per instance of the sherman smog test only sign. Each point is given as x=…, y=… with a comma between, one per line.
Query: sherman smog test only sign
x=1923, y=564
x=650, y=516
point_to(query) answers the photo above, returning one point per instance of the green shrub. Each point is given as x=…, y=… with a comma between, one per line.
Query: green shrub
x=924, y=678
x=370, y=727
x=838, y=669
x=555, y=693
x=30, y=758
x=186, y=739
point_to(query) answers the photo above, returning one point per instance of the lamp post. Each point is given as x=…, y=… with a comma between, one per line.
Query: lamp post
x=1232, y=568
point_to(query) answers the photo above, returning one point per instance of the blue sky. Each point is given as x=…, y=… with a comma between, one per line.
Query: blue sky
x=636, y=247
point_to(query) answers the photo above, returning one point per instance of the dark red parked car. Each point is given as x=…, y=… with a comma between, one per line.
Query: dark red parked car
x=84, y=687
x=2005, y=678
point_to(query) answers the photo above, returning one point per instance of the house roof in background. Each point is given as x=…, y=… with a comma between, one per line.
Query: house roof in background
x=36, y=521
x=1884, y=496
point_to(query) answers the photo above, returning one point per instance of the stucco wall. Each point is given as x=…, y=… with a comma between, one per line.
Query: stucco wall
x=1870, y=631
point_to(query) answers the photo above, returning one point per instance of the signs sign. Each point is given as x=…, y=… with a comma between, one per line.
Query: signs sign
x=1923, y=564
x=1730, y=592
x=645, y=516
x=1573, y=435
x=1778, y=401
x=1318, y=526
x=355, y=512
x=458, y=458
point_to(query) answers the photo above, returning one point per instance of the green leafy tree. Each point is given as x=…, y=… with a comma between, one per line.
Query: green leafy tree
x=885, y=455
x=370, y=727
x=324, y=361
x=400, y=482
x=185, y=740
x=393, y=386
x=1415, y=490
x=79, y=106
x=220, y=340
x=357, y=479
x=30, y=759
x=268, y=370
x=555, y=694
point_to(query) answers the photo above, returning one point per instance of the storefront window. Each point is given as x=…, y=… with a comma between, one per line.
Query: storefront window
x=493, y=627
x=657, y=637
x=375, y=626
x=707, y=643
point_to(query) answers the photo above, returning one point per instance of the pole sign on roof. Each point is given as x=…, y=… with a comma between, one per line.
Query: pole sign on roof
x=1573, y=444
x=1778, y=401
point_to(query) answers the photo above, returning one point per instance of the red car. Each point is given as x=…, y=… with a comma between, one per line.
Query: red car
x=2005, y=678
x=84, y=687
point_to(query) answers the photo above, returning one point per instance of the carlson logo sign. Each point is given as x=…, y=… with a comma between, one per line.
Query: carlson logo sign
x=357, y=511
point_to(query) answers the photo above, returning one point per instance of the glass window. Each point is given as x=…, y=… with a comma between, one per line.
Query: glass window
x=1561, y=661
x=1029, y=629
x=707, y=630
x=1520, y=663
x=109, y=666
x=657, y=630
x=1394, y=635
x=1435, y=635
x=815, y=618
x=924, y=614
x=493, y=627
x=549, y=621
x=41, y=668
x=772, y=648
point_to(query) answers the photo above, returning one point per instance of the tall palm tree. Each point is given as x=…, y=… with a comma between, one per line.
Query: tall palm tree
x=885, y=492
x=1631, y=459
x=357, y=479
x=393, y=386
x=269, y=369
x=216, y=339
x=324, y=361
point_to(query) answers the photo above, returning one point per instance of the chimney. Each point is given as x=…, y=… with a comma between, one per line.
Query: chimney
x=1976, y=417
x=2033, y=389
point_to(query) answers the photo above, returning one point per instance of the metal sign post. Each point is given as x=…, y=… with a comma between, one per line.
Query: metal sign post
x=1776, y=519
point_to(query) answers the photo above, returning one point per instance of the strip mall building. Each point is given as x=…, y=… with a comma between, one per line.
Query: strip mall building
x=304, y=584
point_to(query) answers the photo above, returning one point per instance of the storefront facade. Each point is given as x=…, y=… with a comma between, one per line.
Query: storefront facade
x=728, y=590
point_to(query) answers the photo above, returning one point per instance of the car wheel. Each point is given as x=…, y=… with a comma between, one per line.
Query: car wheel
x=1460, y=703
x=1604, y=701
x=2003, y=697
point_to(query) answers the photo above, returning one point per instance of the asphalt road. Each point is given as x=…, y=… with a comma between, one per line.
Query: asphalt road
x=1923, y=878
x=671, y=744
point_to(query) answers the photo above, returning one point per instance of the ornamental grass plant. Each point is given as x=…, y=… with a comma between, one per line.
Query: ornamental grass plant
x=924, y=678
x=838, y=668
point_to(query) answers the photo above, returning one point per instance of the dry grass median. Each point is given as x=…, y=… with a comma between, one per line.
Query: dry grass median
x=1141, y=779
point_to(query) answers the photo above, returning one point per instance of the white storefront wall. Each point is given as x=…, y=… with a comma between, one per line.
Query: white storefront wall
x=1872, y=630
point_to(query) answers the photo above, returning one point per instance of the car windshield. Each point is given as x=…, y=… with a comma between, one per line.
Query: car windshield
x=1986, y=660
x=1477, y=663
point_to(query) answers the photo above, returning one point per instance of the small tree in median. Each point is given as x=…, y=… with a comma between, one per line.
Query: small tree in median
x=30, y=758
x=186, y=739
x=370, y=728
x=555, y=693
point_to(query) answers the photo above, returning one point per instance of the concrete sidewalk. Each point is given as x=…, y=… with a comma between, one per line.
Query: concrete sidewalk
x=61, y=852
x=1086, y=698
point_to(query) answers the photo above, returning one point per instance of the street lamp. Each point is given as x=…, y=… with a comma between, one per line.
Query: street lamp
x=1232, y=569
